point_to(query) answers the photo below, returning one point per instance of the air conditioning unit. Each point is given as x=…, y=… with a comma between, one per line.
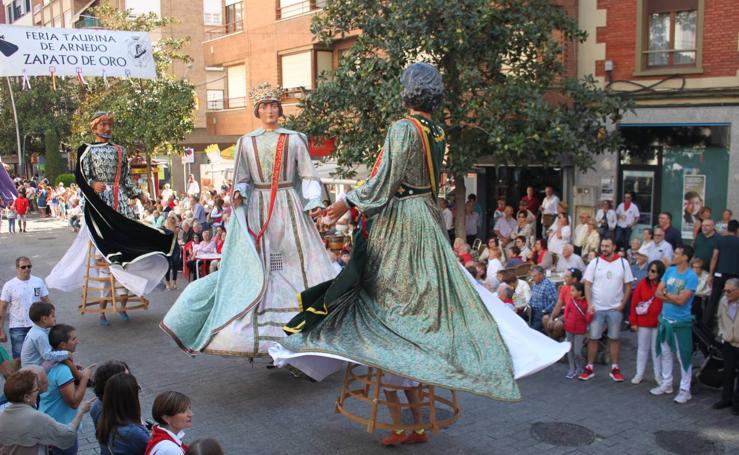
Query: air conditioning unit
x=584, y=195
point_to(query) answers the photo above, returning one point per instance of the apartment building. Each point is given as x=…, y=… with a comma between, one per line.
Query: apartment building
x=261, y=41
x=679, y=61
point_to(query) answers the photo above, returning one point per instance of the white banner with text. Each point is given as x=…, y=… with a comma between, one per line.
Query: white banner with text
x=41, y=51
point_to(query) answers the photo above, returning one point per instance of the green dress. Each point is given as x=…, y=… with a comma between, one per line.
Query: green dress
x=412, y=311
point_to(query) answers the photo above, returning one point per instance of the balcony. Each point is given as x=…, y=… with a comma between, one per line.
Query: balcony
x=292, y=8
x=218, y=31
x=226, y=104
x=88, y=22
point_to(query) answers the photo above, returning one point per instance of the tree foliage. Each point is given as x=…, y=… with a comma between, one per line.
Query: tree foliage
x=44, y=118
x=506, y=92
x=150, y=115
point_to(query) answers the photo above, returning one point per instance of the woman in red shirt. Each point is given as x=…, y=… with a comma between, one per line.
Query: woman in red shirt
x=644, y=319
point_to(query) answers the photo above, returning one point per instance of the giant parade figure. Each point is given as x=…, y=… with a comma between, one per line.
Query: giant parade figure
x=272, y=251
x=404, y=304
x=134, y=253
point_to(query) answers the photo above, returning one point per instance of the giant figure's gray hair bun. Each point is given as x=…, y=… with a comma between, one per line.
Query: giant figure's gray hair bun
x=422, y=86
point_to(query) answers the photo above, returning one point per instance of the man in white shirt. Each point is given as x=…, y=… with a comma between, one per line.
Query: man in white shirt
x=472, y=220
x=548, y=209
x=16, y=298
x=569, y=260
x=581, y=233
x=661, y=250
x=193, y=188
x=505, y=226
x=627, y=216
x=447, y=218
x=607, y=289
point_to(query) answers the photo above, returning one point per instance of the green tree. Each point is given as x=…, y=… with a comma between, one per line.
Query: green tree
x=44, y=117
x=151, y=115
x=502, y=67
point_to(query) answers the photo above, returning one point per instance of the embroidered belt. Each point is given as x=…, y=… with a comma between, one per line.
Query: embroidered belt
x=268, y=186
x=405, y=191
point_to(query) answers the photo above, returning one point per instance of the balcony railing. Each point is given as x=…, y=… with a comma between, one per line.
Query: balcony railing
x=88, y=22
x=299, y=8
x=223, y=30
x=227, y=103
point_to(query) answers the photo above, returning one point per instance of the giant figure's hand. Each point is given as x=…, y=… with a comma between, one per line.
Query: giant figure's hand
x=335, y=211
x=98, y=187
x=236, y=199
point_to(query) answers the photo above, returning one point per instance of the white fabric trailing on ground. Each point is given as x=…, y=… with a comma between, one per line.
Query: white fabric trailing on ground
x=140, y=277
x=531, y=351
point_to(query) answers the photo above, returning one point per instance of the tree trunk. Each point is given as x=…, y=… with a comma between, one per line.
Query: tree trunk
x=149, y=178
x=55, y=164
x=460, y=198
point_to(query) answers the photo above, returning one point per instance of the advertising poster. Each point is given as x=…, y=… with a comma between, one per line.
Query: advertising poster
x=694, y=193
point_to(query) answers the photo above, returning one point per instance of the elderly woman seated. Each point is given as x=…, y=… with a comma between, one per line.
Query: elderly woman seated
x=27, y=431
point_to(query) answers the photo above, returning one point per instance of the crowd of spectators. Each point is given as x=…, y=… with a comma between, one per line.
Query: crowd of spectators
x=588, y=283
x=44, y=393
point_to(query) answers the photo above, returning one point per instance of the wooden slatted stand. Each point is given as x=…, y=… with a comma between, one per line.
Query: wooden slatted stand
x=98, y=280
x=365, y=387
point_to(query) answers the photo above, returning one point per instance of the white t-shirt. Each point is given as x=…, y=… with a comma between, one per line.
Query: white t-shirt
x=608, y=279
x=661, y=251
x=629, y=216
x=20, y=295
x=448, y=218
x=556, y=244
x=550, y=204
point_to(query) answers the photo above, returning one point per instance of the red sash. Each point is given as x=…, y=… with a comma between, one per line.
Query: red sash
x=117, y=183
x=275, y=186
x=158, y=435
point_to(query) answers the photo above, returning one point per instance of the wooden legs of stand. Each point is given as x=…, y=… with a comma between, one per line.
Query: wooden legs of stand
x=362, y=388
x=101, y=288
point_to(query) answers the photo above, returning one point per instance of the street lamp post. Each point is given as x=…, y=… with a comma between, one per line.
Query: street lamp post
x=17, y=129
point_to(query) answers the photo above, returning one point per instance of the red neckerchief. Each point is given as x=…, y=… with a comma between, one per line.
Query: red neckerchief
x=613, y=258
x=627, y=205
x=158, y=435
x=117, y=183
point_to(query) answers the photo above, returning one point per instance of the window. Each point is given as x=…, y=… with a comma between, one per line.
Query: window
x=236, y=80
x=291, y=8
x=139, y=7
x=234, y=16
x=212, y=12
x=215, y=99
x=305, y=69
x=670, y=36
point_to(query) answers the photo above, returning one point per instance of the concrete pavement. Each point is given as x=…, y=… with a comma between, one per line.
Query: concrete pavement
x=253, y=410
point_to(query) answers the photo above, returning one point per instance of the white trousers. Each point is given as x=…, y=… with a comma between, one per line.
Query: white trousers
x=667, y=364
x=647, y=342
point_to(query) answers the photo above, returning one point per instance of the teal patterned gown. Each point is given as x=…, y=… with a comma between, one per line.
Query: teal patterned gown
x=413, y=312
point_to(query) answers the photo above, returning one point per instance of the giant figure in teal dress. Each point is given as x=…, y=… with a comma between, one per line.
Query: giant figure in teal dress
x=410, y=308
x=272, y=251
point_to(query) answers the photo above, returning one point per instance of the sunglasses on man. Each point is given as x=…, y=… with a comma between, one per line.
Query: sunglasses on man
x=25, y=267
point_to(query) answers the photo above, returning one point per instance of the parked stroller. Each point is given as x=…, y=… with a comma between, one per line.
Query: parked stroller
x=705, y=340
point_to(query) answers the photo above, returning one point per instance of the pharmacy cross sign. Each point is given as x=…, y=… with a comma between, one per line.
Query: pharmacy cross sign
x=41, y=51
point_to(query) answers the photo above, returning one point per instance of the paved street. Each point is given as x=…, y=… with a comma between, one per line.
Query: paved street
x=250, y=409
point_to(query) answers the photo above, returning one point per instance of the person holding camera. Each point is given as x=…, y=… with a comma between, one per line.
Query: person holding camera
x=119, y=428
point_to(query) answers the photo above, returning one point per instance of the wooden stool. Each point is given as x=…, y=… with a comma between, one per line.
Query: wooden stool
x=118, y=294
x=368, y=392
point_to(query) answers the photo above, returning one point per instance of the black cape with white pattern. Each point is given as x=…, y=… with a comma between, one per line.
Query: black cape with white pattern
x=121, y=240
